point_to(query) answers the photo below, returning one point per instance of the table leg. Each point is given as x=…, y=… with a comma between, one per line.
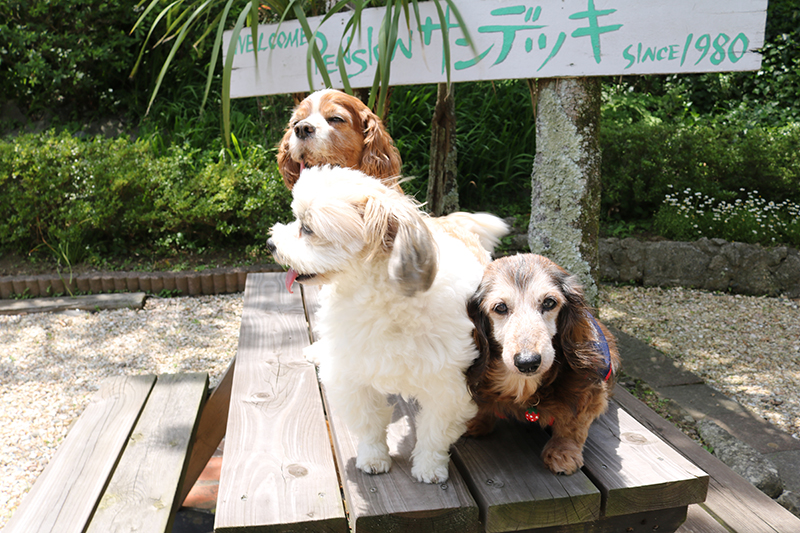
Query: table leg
x=210, y=430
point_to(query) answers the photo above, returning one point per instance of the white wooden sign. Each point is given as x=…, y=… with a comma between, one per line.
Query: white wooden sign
x=514, y=39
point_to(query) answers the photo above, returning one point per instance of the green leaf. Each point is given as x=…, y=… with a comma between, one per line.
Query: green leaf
x=313, y=50
x=215, y=51
x=178, y=41
x=254, y=30
x=152, y=28
x=226, y=75
x=445, y=40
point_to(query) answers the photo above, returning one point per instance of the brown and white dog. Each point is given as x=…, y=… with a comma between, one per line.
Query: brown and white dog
x=330, y=127
x=543, y=356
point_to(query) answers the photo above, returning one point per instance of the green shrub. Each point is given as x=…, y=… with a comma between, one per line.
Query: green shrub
x=495, y=139
x=688, y=215
x=72, y=54
x=643, y=159
x=111, y=196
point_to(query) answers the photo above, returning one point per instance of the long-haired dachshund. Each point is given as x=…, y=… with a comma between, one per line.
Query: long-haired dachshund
x=543, y=356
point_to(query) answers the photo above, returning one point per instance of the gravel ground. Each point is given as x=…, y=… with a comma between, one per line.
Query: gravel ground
x=744, y=346
x=51, y=364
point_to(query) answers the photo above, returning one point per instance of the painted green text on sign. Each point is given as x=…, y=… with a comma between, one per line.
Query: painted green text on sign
x=514, y=39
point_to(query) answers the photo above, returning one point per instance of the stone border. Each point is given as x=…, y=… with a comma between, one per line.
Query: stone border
x=708, y=264
x=192, y=283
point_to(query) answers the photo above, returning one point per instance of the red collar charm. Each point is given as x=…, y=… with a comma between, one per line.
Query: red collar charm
x=532, y=415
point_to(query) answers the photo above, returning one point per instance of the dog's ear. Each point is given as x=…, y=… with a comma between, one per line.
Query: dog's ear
x=288, y=167
x=380, y=157
x=399, y=229
x=483, y=336
x=413, y=262
x=574, y=329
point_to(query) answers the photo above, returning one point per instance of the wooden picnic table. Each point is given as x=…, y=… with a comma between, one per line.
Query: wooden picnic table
x=285, y=444
x=289, y=463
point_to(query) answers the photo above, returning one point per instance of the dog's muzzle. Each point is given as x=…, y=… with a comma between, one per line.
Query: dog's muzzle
x=304, y=130
x=291, y=275
x=527, y=362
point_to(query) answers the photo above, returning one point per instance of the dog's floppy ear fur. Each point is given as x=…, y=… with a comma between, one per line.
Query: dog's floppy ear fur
x=380, y=157
x=288, y=167
x=574, y=329
x=483, y=336
x=413, y=261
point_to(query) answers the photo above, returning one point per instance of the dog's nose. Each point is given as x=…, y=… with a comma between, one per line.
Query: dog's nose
x=527, y=362
x=304, y=129
x=271, y=246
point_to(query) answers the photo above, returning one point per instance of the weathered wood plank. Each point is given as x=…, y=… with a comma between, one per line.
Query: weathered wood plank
x=142, y=493
x=66, y=494
x=395, y=501
x=278, y=471
x=699, y=521
x=92, y=302
x=742, y=507
x=661, y=521
x=513, y=487
x=635, y=470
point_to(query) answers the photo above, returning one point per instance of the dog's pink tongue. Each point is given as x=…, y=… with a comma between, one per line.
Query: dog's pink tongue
x=302, y=165
x=291, y=275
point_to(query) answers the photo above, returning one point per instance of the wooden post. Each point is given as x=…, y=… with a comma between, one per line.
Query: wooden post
x=442, y=195
x=565, y=185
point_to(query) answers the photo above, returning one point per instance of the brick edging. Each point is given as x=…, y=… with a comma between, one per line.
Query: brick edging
x=192, y=283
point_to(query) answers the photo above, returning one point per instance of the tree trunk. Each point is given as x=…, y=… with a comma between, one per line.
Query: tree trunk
x=442, y=185
x=565, y=185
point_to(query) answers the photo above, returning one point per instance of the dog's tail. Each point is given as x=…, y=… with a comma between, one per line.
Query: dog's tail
x=489, y=228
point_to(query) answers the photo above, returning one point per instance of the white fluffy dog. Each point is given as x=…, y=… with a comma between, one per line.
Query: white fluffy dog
x=393, y=316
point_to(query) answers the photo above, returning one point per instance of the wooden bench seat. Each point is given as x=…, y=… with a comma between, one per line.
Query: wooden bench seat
x=733, y=504
x=121, y=465
x=289, y=463
x=281, y=467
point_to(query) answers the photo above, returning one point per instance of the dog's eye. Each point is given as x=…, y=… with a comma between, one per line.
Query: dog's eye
x=500, y=309
x=548, y=304
x=305, y=230
x=335, y=119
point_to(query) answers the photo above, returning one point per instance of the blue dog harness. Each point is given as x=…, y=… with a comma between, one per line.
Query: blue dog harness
x=532, y=414
x=602, y=346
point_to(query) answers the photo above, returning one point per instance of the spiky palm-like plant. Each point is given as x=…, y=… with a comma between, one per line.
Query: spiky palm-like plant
x=203, y=18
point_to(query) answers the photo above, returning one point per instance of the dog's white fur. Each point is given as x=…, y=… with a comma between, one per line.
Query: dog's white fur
x=392, y=316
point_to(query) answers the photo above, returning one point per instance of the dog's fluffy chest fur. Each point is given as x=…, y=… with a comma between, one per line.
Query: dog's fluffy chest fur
x=393, y=315
x=396, y=342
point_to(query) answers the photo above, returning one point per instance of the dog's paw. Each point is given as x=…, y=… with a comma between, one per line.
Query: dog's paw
x=314, y=352
x=562, y=456
x=480, y=425
x=373, y=459
x=431, y=467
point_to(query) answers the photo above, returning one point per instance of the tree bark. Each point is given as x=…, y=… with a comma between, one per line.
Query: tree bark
x=565, y=184
x=442, y=195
